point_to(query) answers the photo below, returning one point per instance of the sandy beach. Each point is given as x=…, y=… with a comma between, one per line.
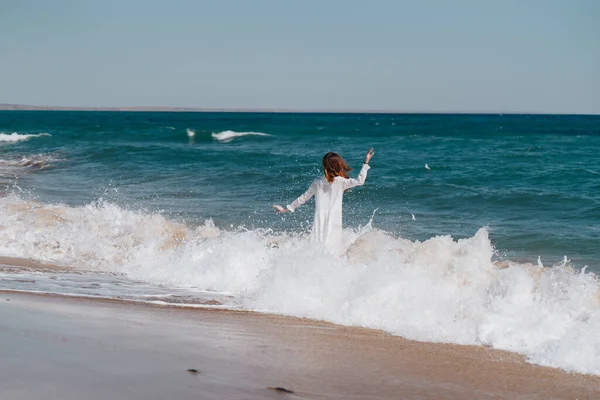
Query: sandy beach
x=318, y=200
x=72, y=348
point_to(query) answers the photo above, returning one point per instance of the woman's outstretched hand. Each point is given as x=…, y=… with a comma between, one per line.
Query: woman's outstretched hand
x=280, y=209
x=369, y=155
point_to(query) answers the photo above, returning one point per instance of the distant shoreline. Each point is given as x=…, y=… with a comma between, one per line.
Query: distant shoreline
x=27, y=107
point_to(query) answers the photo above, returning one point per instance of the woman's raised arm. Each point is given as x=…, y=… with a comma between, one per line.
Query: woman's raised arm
x=362, y=176
x=304, y=197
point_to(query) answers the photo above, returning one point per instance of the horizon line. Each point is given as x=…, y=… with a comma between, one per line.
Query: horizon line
x=30, y=107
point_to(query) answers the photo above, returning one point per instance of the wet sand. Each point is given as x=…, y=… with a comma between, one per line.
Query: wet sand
x=71, y=348
x=31, y=264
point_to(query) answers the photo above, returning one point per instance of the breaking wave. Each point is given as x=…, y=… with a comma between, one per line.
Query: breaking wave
x=17, y=137
x=228, y=136
x=441, y=289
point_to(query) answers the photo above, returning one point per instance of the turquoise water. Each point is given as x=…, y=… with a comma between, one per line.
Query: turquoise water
x=534, y=180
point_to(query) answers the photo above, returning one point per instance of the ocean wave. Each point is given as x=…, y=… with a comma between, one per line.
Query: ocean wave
x=228, y=136
x=37, y=162
x=15, y=166
x=17, y=137
x=440, y=290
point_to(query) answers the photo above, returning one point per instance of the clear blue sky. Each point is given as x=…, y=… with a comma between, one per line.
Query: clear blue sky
x=462, y=55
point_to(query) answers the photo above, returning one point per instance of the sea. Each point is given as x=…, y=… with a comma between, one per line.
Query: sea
x=470, y=229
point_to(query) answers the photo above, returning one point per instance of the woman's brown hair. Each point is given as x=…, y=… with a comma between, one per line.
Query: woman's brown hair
x=334, y=165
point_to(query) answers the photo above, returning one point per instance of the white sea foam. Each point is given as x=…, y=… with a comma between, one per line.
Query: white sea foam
x=190, y=132
x=438, y=290
x=228, y=136
x=17, y=137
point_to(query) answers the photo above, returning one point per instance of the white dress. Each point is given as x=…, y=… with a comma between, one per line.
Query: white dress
x=327, y=225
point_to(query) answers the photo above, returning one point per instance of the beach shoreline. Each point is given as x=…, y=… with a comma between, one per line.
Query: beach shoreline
x=62, y=348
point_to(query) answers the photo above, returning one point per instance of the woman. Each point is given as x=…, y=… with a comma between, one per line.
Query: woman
x=329, y=192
